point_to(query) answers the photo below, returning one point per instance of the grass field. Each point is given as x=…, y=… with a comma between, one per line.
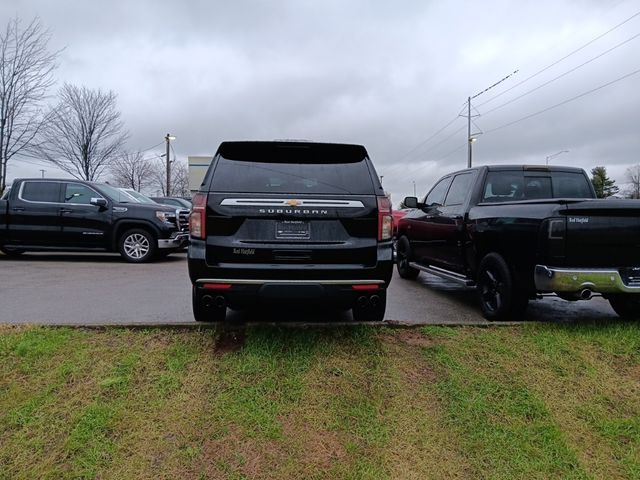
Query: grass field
x=536, y=401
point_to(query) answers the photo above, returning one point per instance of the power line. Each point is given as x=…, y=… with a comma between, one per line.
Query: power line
x=428, y=139
x=153, y=146
x=562, y=75
x=564, y=102
x=561, y=59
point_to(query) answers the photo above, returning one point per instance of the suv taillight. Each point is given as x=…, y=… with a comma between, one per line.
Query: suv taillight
x=198, y=217
x=385, y=220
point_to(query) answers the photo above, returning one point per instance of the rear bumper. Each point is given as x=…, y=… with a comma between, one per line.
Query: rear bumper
x=601, y=280
x=240, y=294
x=264, y=283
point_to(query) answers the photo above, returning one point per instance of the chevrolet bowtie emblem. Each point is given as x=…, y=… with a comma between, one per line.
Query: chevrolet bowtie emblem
x=293, y=203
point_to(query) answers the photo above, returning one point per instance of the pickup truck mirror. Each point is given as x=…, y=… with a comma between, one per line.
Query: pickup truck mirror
x=410, y=202
x=99, y=202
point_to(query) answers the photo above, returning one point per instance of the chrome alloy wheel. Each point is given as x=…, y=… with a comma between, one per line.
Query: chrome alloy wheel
x=136, y=245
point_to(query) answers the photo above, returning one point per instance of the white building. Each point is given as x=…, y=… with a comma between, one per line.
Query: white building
x=197, y=170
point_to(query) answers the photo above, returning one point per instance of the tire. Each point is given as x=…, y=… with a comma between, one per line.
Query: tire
x=627, y=306
x=11, y=252
x=137, y=246
x=500, y=296
x=371, y=313
x=403, y=252
x=206, y=314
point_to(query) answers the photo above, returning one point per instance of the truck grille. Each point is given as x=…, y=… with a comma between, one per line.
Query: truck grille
x=182, y=220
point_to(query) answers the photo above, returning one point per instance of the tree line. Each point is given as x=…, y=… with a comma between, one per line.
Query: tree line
x=81, y=133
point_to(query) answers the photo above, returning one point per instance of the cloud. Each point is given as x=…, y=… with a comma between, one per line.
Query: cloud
x=387, y=75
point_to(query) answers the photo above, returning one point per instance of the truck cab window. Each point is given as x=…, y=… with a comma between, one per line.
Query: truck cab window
x=437, y=193
x=40, y=192
x=459, y=188
x=79, y=194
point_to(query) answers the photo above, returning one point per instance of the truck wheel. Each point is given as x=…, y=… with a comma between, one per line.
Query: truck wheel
x=372, y=310
x=11, y=252
x=202, y=313
x=137, y=245
x=500, y=297
x=626, y=306
x=403, y=253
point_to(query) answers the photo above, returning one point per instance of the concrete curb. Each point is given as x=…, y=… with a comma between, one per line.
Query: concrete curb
x=216, y=325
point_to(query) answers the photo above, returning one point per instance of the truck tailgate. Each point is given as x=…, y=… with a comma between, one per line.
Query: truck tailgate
x=603, y=233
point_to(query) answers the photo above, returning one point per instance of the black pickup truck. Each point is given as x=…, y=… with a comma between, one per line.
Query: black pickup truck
x=73, y=215
x=518, y=232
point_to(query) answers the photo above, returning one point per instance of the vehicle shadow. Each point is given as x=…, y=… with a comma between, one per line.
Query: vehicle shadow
x=286, y=314
x=550, y=309
x=84, y=257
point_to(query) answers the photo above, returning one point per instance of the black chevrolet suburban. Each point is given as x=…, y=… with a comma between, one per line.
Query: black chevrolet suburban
x=290, y=221
x=74, y=215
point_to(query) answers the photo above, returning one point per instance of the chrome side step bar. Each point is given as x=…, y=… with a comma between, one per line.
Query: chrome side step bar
x=441, y=272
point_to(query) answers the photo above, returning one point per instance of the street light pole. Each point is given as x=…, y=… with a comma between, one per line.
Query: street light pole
x=168, y=139
x=553, y=155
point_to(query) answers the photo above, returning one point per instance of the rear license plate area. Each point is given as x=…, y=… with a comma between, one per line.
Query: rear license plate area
x=293, y=230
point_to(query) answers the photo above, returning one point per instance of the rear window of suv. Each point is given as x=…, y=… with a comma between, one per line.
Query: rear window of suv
x=293, y=170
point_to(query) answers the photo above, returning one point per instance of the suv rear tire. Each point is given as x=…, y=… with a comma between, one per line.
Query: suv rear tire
x=202, y=313
x=371, y=313
x=137, y=245
x=500, y=296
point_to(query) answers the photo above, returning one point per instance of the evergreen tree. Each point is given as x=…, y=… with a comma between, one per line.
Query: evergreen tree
x=604, y=186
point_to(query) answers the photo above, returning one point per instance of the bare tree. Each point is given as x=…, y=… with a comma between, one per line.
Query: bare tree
x=26, y=74
x=632, y=176
x=83, y=133
x=179, y=178
x=130, y=169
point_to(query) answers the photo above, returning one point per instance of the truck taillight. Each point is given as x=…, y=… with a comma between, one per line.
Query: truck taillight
x=198, y=217
x=557, y=236
x=385, y=220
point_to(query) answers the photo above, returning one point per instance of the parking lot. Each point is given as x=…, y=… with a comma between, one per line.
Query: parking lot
x=95, y=289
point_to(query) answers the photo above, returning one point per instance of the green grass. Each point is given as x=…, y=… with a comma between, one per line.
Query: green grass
x=535, y=401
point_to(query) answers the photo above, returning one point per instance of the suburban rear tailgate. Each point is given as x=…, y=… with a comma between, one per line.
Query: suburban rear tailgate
x=289, y=229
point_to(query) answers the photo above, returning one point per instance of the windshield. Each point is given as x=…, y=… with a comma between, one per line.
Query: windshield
x=115, y=194
x=139, y=197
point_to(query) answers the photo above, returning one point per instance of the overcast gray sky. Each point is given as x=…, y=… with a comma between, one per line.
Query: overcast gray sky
x=388, y=75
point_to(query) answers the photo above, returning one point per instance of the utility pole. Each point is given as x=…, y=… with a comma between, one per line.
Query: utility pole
x=42, y=170
x=469, y=141
x=414, y=188
x=168, y=139
x=470, y=138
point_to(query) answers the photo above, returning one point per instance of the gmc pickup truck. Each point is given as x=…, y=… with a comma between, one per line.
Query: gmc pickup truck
x=517, y=233
x=73, y=215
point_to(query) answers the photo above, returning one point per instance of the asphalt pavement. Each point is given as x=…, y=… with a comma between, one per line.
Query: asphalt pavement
x=100, y=289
